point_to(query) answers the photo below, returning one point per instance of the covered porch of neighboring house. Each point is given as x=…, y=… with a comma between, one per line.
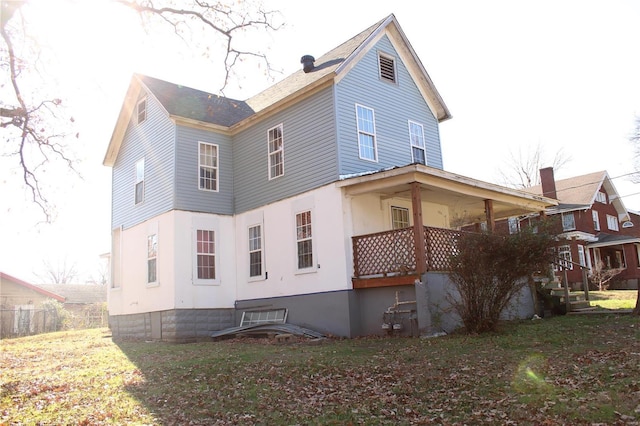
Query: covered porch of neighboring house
x=406, y=220
x=616, y=255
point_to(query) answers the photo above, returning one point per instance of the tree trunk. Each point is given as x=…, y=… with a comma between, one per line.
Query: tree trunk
x=636, y=310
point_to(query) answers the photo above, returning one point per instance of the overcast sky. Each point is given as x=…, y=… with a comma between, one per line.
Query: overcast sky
x=514, y=74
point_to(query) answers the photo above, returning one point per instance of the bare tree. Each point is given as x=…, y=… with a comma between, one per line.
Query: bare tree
x=35, y=125
x=634, y=138
x=601, y=277
x=62, y=272
x=522, y=168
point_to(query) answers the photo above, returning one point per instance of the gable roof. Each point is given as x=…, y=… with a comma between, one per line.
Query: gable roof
x=47, y=293
x=202, y=107
x=79, y=293
x=195, y=104
x=579, y=192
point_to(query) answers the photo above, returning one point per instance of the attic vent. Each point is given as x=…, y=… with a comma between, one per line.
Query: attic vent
x=387, y=68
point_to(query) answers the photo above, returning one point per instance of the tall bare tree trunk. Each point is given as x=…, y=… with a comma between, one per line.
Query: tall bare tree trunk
x=636, y=310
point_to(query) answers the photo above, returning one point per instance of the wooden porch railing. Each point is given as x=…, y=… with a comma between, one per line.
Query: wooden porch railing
x=394, y=253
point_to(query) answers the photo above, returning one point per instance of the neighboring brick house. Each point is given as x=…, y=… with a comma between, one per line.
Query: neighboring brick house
x=597, y=229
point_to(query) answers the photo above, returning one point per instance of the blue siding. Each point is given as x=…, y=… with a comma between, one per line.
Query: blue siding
x=152, y=140
x=187, y=195
x=310, y=157
x=394, y=105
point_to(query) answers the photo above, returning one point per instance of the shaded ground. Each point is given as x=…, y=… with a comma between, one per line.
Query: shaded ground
x=562, y=370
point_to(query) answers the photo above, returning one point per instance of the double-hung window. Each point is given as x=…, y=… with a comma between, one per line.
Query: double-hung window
x=399, y=217
x=514, y=225
x=596, y=220
x=564, y=259
x=139, y=187
x=276, y=152
x=255, y=251
x=416, y=136
x=304, y=241
x=206, y=254
x=612, y=223
x=568, y=221
x=366, y=133
x=152, y=258
x=208, y=166
x=601, y=197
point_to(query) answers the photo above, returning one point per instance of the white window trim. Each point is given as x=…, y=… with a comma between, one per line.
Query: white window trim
x=142, y=101
x=281, y=150
x=582, y=255
x=596, y=220
x=514, y=225
x=395, y=68
x=262, y=276
x=157, y=281
x=612, y=223
x=601, y=197
x=398, y=208
x=424, y=142
x=314, y=267
x=216, y=254
x=375, y=138
x=574, y=221
x=216, y=169
x=565, y=248
x=137, y=180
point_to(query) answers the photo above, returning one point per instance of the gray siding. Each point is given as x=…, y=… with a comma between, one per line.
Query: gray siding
x=310, y=157
x=394, y=105
x=152, y=140
x=187, y=194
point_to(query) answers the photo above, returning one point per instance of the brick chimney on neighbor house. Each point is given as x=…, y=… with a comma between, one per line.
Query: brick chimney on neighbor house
x=548, y=183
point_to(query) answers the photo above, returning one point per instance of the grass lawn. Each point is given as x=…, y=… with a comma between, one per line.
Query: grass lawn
x=559, y=370
x=614, y=299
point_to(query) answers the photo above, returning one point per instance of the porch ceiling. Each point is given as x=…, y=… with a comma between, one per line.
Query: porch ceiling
x=464, y=196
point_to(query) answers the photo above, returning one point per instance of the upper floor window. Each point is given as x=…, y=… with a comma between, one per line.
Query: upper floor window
x=152, y=255
x=387, y=67
x=416, y=135
x=596, y=220
x=139, y=187
x=276, y=152
x=366, y=133
x=141, y=110
x=568, y=221
x=399, y=217
x=206, y=254
x=208, y=166
x=255, y=251
x=612, y=223
x=304, y=241
x=601, y=197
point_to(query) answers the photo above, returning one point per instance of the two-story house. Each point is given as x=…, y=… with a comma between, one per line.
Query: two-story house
x=597, y=231
x=324, y=195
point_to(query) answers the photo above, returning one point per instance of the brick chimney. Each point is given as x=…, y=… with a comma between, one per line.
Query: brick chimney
x=548, y=183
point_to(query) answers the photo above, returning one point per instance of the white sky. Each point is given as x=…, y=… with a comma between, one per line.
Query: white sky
x=514, y=74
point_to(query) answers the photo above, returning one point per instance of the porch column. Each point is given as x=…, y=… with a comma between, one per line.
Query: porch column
x=418, y=229
x=488, y=211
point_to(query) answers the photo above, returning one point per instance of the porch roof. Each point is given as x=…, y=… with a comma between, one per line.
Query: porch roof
x=464, y=196
x=606, y=240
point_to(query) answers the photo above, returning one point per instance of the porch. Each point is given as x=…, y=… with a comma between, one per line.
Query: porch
x=405, y=221
x=390, y=258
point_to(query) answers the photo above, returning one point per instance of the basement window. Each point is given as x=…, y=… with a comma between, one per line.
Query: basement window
x=387, y=67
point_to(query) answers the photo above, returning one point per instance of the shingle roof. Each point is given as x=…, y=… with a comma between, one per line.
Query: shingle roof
x=324, y=65
x=78, y=293
x=578, y=190
x=30, y=286
x=195, y=104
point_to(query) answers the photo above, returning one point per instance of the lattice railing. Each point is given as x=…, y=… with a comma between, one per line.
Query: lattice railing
x=382, y=253
x=440, y=244
x=394, y=252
